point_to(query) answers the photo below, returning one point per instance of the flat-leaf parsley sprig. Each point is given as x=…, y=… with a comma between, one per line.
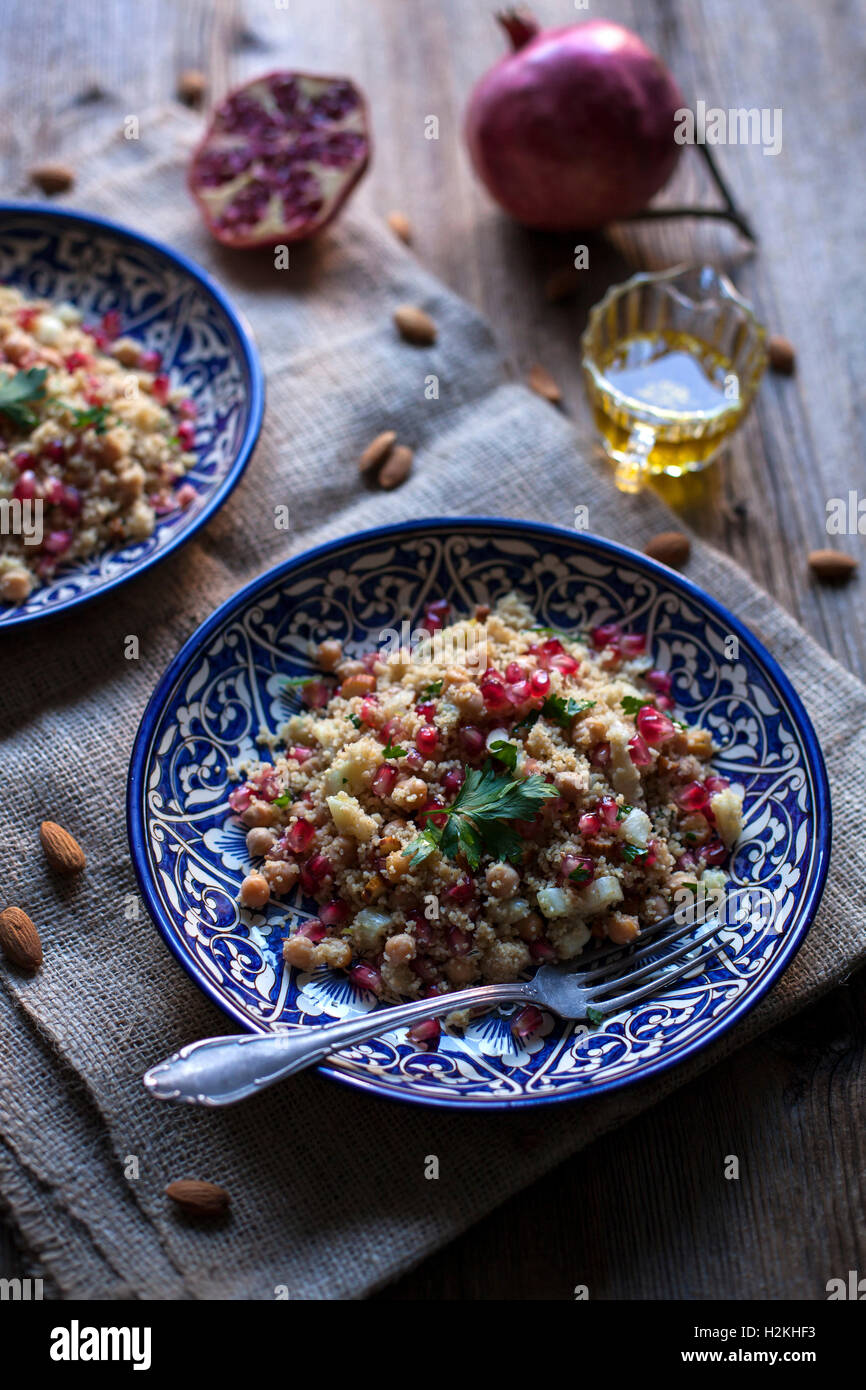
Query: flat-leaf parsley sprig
x=19, y=392
x=477, y=819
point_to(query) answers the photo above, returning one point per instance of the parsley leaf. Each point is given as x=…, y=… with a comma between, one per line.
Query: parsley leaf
x=17, y=391
x=633, y=853
x=392, y=750
x=434, y=688
x=504, y=752
x=476, y=818
x=282, y=800
x=631, y=704
x=528, y=720
x=562, y=711
x=353, y=719
x=94, y=417
x=594, y=1016
x=580, y=874
x=292, y=681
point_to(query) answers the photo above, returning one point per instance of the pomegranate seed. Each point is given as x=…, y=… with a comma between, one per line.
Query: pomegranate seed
x=514, y=672
x=606, y=635
x=150, y=360
x=664, y=702
x=318, y=868
x=599, y=754
x=660, y=681
x=370, y=713
x=187, y=408
x=54, y=450
x=369, y=661
x=542, y=950
x=638, y=751
x=70, y=502
x=453, y=779
x=111, y=324
x=414, y=759
x=529, y=1020
x=301, y=836
x=53, y=491
x=539, y=682
x=27, y=317
x=440, y=606
x=565, y=664
x=693, y=797
x=520, y=692
x=419, y=922
x=314, y=930
x=653, y=726
x=714, y=853
x=609, y=811
x=24, y=489
x=472, y=740
x=493, y=692
x=589, y=823
x=315, y=694
x=73, y=360
x=632, y=643
x=651, y=855
x=334, y=913
x=458, y=941
x=427, y=710
x=300, y=755
x=553, y=647
x=462, y=891
x=185, y=494
x=186, y=434
x=716, y=784
x=427, y=813
x=579, y=865
x=687, y=860
x=24, y=460
x=426, y=739
x=383, y=782
x=56, y=542
x=240, y=798
x=160, y=387
x=425, y=1034
x=364, y=977
x=390, y=732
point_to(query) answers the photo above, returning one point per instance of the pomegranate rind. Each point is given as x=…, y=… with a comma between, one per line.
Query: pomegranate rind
x=284, y=141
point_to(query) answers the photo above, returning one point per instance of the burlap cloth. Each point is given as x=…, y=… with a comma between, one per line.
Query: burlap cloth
x=328, y=1186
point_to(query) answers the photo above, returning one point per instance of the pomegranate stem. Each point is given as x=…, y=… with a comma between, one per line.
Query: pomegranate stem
x=519, y=25
x=729, y=213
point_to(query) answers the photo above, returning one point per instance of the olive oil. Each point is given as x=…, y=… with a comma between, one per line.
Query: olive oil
x=668, y=394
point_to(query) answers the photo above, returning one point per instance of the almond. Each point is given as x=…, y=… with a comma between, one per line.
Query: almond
x=781, y=354
x=400, y=226
x=542, y=383
x=52, y=178
x=198, y=1198
x=832, y=565
x=191, y=87
x=415, y=325
x=376, y=451
x=562, y=284
x=396, y=468
x=62, y=850
x=671, y=547
x=19, y=939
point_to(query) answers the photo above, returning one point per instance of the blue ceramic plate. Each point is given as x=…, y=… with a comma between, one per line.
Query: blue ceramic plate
x=168, y=303
x=229, y=681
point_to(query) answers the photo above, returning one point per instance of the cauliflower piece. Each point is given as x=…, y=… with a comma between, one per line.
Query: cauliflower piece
x=727, y=807
x=601, y=893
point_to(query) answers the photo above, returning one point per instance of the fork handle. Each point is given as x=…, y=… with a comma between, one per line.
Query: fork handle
x=219, y=1071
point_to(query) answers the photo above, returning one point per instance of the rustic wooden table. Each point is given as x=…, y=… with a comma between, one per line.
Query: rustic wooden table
x=642, y=1214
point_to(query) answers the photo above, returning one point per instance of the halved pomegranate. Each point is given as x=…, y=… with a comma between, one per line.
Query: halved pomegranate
x=280, y=157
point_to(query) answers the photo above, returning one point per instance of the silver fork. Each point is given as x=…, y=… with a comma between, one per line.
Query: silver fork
x=219, y=1071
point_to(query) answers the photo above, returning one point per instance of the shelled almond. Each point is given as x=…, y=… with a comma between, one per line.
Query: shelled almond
x=19, y=939
x=61, y=849
x=198, y=1198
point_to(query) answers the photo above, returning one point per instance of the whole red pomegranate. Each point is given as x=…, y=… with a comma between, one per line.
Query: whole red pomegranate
x=575, y=128
x=280, y=157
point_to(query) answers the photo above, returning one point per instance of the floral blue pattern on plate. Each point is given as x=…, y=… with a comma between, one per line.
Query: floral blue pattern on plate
x=228, y=683
x=170, y=304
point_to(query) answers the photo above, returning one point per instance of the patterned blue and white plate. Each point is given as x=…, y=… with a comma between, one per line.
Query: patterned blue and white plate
x=168, y=303
x=228, y=683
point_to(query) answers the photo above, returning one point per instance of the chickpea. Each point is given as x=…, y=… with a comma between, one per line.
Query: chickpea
x=571, y=785
x=342, y=852
x=350, y=667
x=694, y=830
x=337, y=955
x=14, y=586
x=622, y=929
x=259, y=813
x=469, y=701
x=300, y=952
x=502, y=880
x=530, y=927
x=259, y=840
x=281, y=875
x=255, y=891
x=396, y=865
x=400, y=949
x=328, y=653
x=410, y=793
x=461, y=971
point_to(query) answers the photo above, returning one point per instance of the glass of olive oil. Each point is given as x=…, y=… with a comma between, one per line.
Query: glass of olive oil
x=671, y=363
